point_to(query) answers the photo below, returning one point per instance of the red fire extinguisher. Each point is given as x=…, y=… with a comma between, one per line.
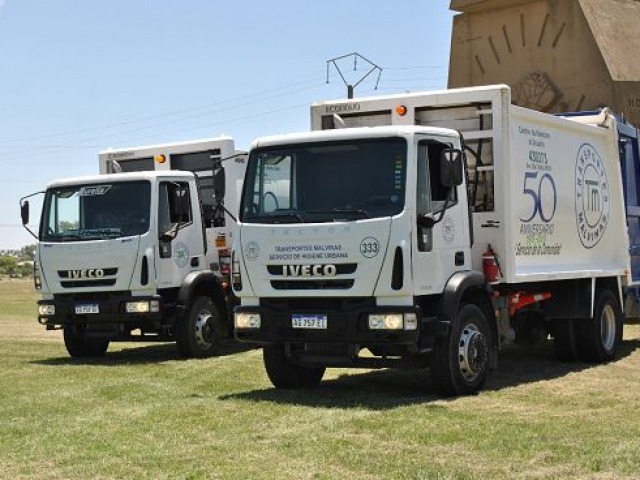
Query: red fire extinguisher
x=490, y=266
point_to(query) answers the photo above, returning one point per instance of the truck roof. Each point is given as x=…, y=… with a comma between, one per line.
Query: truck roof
x=351, y=133
x=121, y=177
x=446, y=94
x=192, y=143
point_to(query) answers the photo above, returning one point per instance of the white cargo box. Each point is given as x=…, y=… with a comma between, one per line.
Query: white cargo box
x=545, y=191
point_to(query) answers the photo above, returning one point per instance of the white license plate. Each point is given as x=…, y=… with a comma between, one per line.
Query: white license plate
x=316, y=322
x=87, y=308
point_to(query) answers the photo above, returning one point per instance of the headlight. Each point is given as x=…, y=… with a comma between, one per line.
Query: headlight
x=45, y=310
x=393, y=321
x=144, y=306
x=247, y=320
x=385, y=321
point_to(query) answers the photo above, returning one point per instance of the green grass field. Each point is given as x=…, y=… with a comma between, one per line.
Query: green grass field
x=142, y=412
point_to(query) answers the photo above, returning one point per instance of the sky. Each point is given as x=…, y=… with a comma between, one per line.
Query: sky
x=80, y=76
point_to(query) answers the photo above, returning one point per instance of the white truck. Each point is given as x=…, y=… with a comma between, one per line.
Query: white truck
x=194, y=156
x=139, y=255
x=427, y=230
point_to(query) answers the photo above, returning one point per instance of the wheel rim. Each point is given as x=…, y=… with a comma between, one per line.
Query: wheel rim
x=204, y=329
x=608, y=327
x=472, y=352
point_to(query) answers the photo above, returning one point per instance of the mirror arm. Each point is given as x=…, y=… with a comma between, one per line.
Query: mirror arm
x=171, y=234
x=217, y=164
x=220, y=206
x=429, y=221
x=230, y=157
x=30, y=231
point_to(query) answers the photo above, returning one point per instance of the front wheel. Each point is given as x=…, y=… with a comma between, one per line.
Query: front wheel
x=79, y=346
x=460, y=361
x=197, y=333
x=285, y=374
x=598, y=338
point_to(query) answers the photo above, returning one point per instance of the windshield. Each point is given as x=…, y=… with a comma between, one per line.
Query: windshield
x=98, y=211
x=325, y=182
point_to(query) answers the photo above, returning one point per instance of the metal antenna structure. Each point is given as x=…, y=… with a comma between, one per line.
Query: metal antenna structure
x=356, y=56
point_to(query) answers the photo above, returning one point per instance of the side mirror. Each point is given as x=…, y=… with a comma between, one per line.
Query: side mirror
x=426, y=221
x=24, y=212
x=219, y=182
x=451, y=167
x=181, y=202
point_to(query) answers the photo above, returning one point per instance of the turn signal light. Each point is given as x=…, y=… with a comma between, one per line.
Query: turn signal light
x=160, y=158
x=401, y=110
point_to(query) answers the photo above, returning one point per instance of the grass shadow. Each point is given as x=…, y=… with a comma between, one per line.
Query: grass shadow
x=373, y=390
x=142, y=354
x=520, y=365
x=389, y=389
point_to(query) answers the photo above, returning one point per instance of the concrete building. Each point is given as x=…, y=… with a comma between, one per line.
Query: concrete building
x=557, y=55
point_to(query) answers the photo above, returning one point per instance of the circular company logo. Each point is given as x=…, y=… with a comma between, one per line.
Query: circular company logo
x=251, y=250
x=181, y=254
x=369, y=247
x=592, y=196
x=448, y=230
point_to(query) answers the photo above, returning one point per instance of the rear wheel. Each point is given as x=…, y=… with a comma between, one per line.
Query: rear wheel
x=460, y=361
x=78, y=345
x=197, y=333
x=285, y=374
x=598, y=339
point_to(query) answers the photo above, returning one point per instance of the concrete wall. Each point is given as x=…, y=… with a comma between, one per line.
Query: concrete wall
x=557, y=55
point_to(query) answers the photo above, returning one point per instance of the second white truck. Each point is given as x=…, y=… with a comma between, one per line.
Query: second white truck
x=141, y=252
x=427, y=230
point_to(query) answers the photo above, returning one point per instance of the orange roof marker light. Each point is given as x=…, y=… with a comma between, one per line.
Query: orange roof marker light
x=401, y=110
x=160, y=158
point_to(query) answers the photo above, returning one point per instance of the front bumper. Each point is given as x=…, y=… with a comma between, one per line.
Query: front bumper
x=347, y=323
x=110, y=309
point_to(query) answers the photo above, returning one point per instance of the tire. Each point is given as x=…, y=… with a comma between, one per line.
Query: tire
x=598, y=338
x=564, y=339
x=79, y=346
x=197, y=334
x=285, y=374
x=460, y=361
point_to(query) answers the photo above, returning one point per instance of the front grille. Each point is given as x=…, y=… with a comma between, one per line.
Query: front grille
x=311, y=284
x=341, y=269
x=104, y=282
x=107, y=272
x=91, y=296
x=319, y=304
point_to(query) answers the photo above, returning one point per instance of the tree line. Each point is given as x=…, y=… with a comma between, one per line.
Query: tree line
x=17, y=263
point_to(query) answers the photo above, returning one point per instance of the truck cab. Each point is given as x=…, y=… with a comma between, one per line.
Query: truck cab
x=122, y=257
x=347, y=240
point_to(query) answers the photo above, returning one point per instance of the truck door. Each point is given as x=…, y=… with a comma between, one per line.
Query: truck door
x=181, y=238
x=442, y=250
x=630, y=161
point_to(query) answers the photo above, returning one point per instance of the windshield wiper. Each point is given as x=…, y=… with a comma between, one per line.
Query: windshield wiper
x=342, y=211
x=282, y=216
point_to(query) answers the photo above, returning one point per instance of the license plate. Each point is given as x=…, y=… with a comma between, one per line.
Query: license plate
x=87, y=308
x=316, y=322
